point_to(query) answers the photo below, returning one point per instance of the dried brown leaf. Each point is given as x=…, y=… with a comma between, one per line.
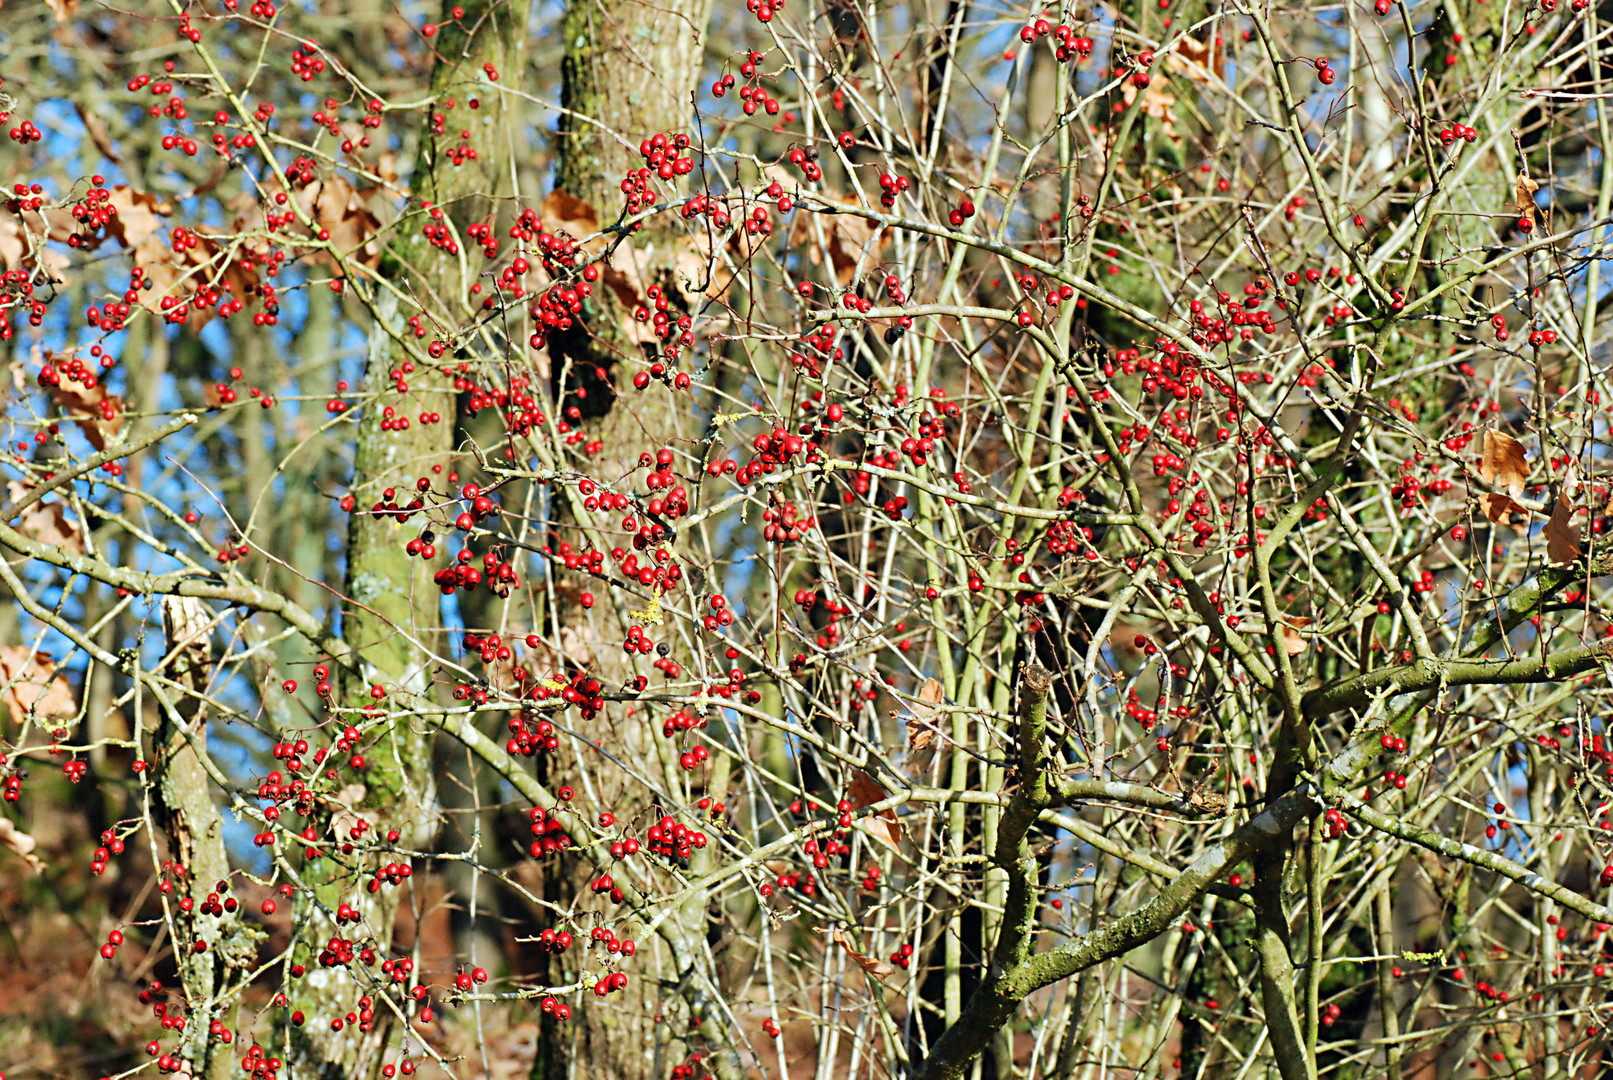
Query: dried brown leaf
x=138, y=218
x=47, y=521
x=846, y=237
x=1289, y=630
x=22, y=245
x=29, y=682
x=1503, y=463
x=62, y=9
x=1157, y=102
x=21, y=843
x=1562, y=538
x=340, y=209
x=564, y=212
x=921, y=729
x=98, y=414
x=1199, y=61
x=1524, y=197
x=864, y=792
x=1500, y=509
x=877, y=969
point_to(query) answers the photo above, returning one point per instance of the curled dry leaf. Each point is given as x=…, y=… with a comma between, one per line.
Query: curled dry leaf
x=98, y=414
x=47, y=521
x=22, y=244
x=62, y=9
x=138, y=218
x=564, y=212
x=921, y=729
x=1157, y=102
x=845, y=236
x=1198, y=61
x=877, y=969
x=1524, y=197
x=29, y=682
x=1503, y=463
x=21, y=843
x=1562, y=538
x=346, y=213
x=1500, y=509
x=864, y=792
x=1289, y=629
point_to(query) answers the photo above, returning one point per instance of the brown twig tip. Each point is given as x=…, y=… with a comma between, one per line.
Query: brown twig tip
x=1037, y=678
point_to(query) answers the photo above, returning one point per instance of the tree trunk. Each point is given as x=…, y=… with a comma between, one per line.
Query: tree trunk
x=392, y=614
x=209, y=947
x=629, y=71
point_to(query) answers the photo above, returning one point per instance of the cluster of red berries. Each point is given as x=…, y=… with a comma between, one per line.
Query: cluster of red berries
x=109, y=951
x=775, y=448
x=550, y=836
x=528, y=737
x=665, y=327
x=903, y=957
x=758, y=223
x=1145, y=717
x=1066, y=538
x=556, y=1008
x=805, y=158
x=393, y=873
x=558, y=253
x=605, y=938
x=259, y=1065
x=465, y=980
x=783, y=523
x=111, y=845
x=790, y=879
x=399, y=971
x=554, y=941
x=764, y=10
x=672, y=839
x=1068, y=45
x=1450, y=135
x=891, y=187
x=661, y=152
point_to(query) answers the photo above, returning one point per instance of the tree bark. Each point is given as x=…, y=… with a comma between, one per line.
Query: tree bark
x=392, y=614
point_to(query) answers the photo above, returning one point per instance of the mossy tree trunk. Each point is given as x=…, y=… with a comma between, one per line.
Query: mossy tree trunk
x=391, y=614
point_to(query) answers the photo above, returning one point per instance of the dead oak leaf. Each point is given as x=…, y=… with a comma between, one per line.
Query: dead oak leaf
x=30, y=684
x=876, y=969
x=845, y=240
x=864, y=792
x=1500, y=509
x=1197, y=60
x=20, y=843
x=1157, y=102
x=1562, y=538
x=62, y=9
x=921, y=727
x=47, y=521
x=22, y=245
x=137, y=217
x=1294, y=642
x=1524, y=197
x=343, y=212
x=99, y=415
x=1503, y=463
x=562, y=211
